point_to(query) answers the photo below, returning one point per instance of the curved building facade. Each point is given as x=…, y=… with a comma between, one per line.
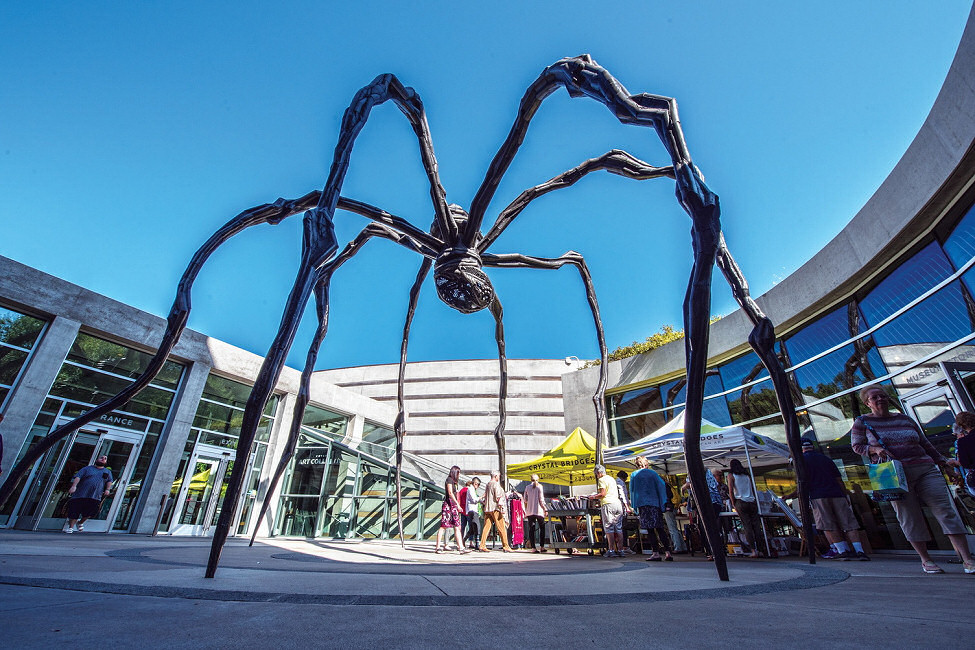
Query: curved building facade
x=890, y=301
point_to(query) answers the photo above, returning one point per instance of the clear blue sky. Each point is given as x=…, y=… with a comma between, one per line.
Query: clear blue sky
x=130, y=131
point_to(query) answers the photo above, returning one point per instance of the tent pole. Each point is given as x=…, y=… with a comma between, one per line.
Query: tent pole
x=761, y=520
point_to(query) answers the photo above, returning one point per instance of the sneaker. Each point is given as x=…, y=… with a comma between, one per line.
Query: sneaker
x=610, y=553
x=969, y=567
x=69, y=530
x=80, y=528
x=836, y=555
x=863, y=557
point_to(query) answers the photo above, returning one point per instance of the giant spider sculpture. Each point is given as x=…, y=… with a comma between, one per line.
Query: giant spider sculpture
x=458, y=252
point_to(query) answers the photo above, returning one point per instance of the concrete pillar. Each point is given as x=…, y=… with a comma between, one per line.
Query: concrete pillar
x=172, y=441
x=276, y=445
x=28, y=395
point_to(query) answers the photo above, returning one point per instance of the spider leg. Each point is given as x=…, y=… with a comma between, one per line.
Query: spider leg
x=762, y=341
x=516, y=260
x=498, y=312
x=383, y=88
x=322, y=282
x=583, y=77
x=315, y=251
x=400, y=426
x=269, y=213
x=615, y=162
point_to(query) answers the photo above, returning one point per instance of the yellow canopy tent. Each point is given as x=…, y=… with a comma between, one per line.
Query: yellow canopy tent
x=569, y=463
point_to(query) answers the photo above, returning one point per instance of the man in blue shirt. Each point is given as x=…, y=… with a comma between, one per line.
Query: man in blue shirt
x=89, y=486
x=831, y=507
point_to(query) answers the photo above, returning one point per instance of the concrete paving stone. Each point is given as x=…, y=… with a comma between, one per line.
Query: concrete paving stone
x=289, y=593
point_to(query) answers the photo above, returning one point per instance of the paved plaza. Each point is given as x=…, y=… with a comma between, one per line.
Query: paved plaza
x=86, y=590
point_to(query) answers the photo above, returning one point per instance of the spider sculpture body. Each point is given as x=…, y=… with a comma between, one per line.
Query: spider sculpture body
x=458, y=252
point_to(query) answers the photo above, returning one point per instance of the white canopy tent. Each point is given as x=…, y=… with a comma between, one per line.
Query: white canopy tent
x=718, y=446
x=665, y=447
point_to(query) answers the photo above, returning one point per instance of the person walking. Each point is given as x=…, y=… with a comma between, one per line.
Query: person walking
x=648, y=494
x=883, y=434
x=611, y=511
x=535, y=512
x=495, y=502
x=472, y=503
x=744, y=501
x=831, y=507
x=670, y=516
x=89, y=486
x=450, y=514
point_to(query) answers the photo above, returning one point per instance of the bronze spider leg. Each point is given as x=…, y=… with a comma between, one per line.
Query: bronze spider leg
x=498, y=312
x=400, y=425
x=322, y=283
x=581, y=76
x=762, y=341
x=318, y=245
x=269, y=213
x=516, y=260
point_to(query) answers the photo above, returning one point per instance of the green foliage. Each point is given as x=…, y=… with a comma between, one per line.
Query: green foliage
x=666, y=335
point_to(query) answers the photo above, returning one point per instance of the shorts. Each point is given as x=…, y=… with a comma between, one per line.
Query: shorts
x=833, y=513
x=612, y=516
x=83, y=508
x=927, y=486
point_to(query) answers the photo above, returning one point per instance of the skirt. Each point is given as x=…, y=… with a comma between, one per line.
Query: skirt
x=449, y=515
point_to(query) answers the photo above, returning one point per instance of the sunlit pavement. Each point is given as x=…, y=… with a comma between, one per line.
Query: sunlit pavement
x=57, y=588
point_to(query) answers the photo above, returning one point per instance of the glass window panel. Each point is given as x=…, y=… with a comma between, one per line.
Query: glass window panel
x=960, y=244
x=120, y=360
x=754, y=401
x=378, y=435
x=226, y=391
x=341, y=474
x=19, y=329
x=331, y=424
x=299, y=518
x=336, y=517
x=11, y=361
x=714, y=409
x=411, y=517
x=308, y=470
x=93, y=387
x=942, y=317
x=370, y=516
x=635, y=401
x=374, y=480
x=432, y=502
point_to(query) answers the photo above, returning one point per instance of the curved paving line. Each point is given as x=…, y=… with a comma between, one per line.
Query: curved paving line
x=812, y=577
x=408, y=567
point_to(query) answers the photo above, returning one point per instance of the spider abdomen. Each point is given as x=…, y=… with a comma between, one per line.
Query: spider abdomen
x=461, y=282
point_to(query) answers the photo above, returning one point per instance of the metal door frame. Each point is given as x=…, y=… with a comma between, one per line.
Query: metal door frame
x=222, y=456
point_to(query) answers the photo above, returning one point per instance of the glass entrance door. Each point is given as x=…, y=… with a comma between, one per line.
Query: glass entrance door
x=202, y=490
x=84, y=447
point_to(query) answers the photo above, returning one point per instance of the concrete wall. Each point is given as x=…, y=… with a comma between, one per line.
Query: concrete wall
x=452, y=407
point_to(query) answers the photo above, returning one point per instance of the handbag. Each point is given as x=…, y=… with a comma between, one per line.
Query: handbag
x=887, y=478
